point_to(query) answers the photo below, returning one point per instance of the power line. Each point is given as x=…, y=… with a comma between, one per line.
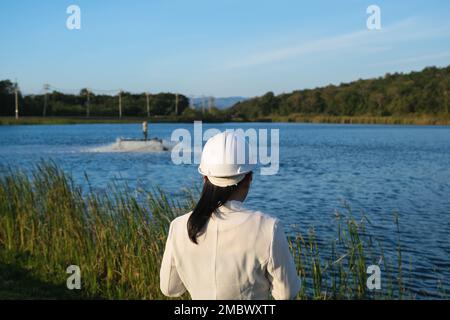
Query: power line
x=92, y=90
x=148, y=104
x=16, y=95
x=87, y=103
x=46, y=88
x=120, y=104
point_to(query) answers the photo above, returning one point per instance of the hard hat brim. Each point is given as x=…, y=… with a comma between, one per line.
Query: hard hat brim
x=226, y=181
x=243, y=170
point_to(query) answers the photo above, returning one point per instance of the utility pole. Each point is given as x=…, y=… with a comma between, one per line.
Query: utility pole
x=16, y=94
x=447, y=105
x=176, y=104
x=87, y=103
x=210, y=103
x=120, y=104
x=148, y=104
x=203, y=104
x=46, y=89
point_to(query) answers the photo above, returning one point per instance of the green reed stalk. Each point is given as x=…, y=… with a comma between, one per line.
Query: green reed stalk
x=117, y=238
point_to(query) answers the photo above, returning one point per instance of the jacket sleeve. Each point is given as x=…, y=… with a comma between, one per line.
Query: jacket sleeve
x=170, y=281
x=281, y=268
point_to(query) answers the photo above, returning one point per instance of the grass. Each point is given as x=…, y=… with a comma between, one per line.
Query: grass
x=18, y=282
x=116, y=241
x=366, y=119
x=117, y=238
x=295, y=117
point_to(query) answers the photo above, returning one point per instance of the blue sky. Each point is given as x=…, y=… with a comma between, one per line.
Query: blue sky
x=221, y=47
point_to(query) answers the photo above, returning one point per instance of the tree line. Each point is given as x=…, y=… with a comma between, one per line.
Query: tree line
x=423, y=92
x=416, y=93
x=62, y=104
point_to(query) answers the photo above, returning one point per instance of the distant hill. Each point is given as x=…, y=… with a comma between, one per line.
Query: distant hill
x=219, y=103
x=425, y=92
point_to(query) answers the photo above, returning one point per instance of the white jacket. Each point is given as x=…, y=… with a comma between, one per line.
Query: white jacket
x=242, y=255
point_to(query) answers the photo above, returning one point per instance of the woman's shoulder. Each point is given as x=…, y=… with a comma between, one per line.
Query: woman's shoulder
x=182, y=219
x=256, y=214
x=265, y=221
x=263, y=216
x=178, y=224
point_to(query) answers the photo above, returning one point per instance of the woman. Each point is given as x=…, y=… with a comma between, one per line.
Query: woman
x=221, y=250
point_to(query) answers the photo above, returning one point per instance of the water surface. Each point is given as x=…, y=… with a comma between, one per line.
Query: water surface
x=378, y=170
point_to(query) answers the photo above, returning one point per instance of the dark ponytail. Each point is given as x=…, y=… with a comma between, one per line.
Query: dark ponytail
x=212, y=198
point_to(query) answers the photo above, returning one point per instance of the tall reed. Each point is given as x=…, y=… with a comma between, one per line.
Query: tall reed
x=117, y=238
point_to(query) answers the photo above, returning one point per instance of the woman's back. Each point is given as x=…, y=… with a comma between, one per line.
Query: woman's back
x=241, y=254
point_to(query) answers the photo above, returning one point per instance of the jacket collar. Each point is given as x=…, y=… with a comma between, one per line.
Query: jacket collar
x=228, y=207
x=228, y=214
x=232, y=205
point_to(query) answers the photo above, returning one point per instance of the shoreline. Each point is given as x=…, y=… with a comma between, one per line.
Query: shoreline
x=293, y=118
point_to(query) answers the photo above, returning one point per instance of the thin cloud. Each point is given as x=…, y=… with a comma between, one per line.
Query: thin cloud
x=375, y=40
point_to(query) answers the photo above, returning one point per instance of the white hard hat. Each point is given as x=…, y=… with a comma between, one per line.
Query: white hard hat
x=226, y=159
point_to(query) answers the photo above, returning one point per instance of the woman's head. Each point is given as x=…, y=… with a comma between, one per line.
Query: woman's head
x=212, y=197
x=227, y=176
